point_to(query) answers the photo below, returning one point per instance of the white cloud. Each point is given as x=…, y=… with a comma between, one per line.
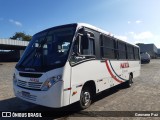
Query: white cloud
x=17, y=23
x=138, y=21
x=145, y=37
x=131, y=33
x=129, y=22
x=124, y=38
x=142, y=36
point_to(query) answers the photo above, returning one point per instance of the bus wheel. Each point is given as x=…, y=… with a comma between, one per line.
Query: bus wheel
x=130, y=81
x=85, y=98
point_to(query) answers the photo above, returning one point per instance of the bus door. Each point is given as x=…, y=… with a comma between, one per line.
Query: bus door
x=82, y=62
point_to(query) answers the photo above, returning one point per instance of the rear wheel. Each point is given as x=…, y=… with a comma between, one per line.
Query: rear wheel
x=130, y=81
x=85, y=98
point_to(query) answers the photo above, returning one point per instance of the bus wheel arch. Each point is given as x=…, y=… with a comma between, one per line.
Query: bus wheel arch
x=87, y=95
x=131, y=74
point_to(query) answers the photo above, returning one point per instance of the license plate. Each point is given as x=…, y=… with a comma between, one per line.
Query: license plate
x=26, y=94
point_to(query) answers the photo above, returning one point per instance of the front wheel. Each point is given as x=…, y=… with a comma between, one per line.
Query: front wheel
x=85, y=98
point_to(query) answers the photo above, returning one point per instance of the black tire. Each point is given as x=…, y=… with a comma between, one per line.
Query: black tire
x=85, y=98
x=129, y=82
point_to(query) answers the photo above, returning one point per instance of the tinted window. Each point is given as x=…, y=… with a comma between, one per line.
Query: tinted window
x=107, y=42
x=121, y=50
x=136, y=53
x=88, y=47
x=107, y=47
x=130, y=52
x=48, y=49
x=83, y=49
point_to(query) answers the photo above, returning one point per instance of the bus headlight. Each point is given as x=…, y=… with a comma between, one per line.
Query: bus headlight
x=50, y=82
x=14, y=79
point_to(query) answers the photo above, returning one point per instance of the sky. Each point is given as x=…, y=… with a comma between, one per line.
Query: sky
x=135, y=21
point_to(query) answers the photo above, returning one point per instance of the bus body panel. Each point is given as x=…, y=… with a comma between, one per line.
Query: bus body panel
x=93, y=70
x=66, y=83
x=98, y=72
x=136, y=67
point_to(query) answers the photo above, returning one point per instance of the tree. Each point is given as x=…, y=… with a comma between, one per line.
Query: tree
x=21, y=36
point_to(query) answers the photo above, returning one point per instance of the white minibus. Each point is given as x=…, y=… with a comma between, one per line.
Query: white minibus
x=72, y=63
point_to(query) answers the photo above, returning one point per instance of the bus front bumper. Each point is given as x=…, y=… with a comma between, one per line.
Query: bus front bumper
x=51, y=98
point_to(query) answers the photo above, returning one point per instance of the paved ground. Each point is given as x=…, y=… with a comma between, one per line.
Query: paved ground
x=144, y=95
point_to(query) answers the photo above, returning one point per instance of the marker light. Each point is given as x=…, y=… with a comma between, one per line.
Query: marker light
x=14, y=79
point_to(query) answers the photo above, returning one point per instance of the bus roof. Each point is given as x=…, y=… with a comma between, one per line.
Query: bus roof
x=91, y=27
x=101, y=31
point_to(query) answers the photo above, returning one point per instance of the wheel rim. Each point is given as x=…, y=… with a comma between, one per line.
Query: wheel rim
x=85, y=98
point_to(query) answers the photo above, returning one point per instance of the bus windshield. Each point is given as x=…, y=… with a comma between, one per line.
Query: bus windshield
x=47, y=50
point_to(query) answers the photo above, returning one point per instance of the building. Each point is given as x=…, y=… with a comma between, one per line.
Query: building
x=158, y=52
x=11, y=50
x=149, y=48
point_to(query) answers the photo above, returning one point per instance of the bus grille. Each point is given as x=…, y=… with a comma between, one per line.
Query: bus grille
x=32, y=75
x=29, y=85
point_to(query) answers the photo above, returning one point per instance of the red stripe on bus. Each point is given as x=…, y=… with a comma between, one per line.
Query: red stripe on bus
x=112, y=73
x=67, y=89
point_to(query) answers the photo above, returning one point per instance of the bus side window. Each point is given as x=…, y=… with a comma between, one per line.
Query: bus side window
x=130, y=52
x=76, y=49
x=83, y=48
x=108, y=46
x=84, y=45
x=122, y=50
x=87, y=46
x=136, y=53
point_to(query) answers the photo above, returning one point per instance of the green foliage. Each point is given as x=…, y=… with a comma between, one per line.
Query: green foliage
x=22, y=36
